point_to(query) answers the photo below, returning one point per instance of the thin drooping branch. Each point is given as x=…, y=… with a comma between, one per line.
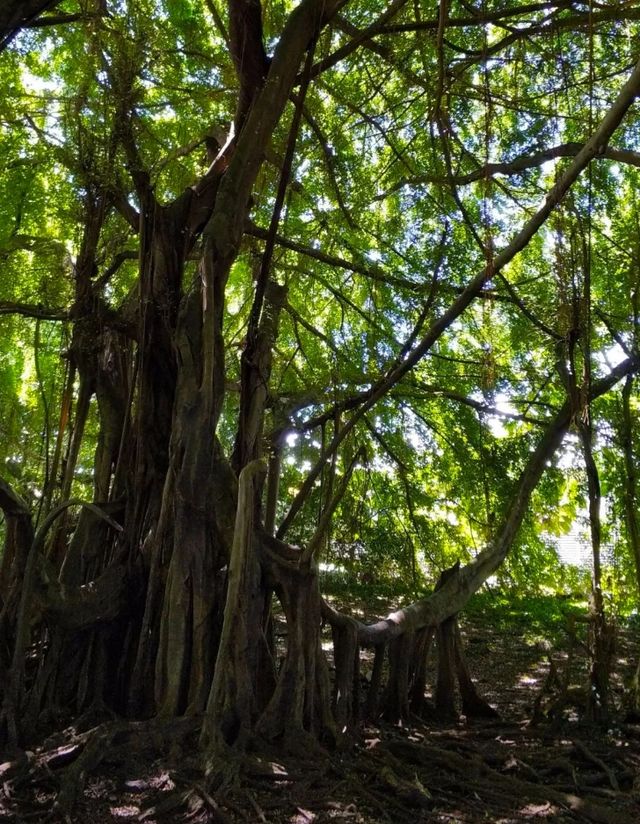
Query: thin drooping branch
x=631, y=505
x=631, y=477
x=524, y=309
x=316, y=540
x=595, y=501
x=285, y=175
x=592, y=148
x=519, y=164
x=255, y=374
x=66, y=402
x=600, y=631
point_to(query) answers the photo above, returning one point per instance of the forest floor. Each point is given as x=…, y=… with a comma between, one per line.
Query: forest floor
x=504, y=770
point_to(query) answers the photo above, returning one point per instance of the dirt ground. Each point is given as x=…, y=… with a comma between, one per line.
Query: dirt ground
x=501, y=771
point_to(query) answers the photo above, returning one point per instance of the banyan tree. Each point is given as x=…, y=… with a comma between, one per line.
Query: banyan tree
x=223, y=227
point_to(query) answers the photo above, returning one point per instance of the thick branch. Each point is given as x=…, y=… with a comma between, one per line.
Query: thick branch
x=30, y=310
x=303, y=24
x=16, y=14
x=247, y=50
x=18, y=539
x=456, y=591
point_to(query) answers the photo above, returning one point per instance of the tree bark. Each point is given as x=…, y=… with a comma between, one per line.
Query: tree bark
x=232, y=703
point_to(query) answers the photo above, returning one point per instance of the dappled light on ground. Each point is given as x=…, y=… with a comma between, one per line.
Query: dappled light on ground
x=502, y=771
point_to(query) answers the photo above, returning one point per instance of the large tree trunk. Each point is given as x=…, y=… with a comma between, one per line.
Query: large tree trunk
x=191, y=636
x=162, y=260
x=197, y=511
x=233, y=703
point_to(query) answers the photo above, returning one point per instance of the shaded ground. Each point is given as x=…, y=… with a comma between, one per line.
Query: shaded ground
x=558, y=770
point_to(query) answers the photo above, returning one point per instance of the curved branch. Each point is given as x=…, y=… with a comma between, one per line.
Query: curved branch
x=84, y=606
x=41, y=534
x=31, y=310
x=519, y=164
x=456, y=591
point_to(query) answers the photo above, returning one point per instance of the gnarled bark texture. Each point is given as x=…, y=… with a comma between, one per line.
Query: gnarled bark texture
x=160, y=603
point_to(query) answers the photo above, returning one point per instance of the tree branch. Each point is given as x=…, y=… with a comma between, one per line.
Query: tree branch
x=374, y=273
x=16, y=14
x=247, y=51
x=456, y=591
x=361, y=36
x=593, y=147
x=516, y=166
x=29, y=310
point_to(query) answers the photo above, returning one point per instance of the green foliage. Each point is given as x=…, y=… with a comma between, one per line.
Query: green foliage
x=532, y=617
x=386, y=220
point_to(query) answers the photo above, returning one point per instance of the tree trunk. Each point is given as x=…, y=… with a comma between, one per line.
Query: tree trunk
x=445, y=684
x=232, y=705
x=601, y=632
x=298, y=713
x=198, y=509
x=184, y=516
x=630, y=508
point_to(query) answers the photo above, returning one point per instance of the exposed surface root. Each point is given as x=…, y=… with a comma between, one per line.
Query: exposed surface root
x=153, y=772
x=58, y=779
x=557, y=771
